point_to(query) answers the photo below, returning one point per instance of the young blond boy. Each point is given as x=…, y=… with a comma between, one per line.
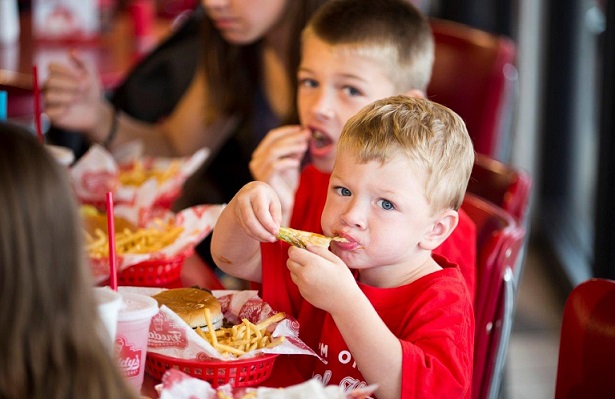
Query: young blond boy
x=379, y=307
x=353, y=53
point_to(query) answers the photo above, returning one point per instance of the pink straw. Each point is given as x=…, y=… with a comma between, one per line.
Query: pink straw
x=111, y=232
x=37, y=105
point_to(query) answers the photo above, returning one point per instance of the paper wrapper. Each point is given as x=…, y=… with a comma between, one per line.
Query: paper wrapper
x=197, y=223
x=170, y=336
x=97, y=173
x=178, y=385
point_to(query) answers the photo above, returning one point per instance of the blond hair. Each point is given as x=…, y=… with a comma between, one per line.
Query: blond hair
x=433, y=137
x=393, y=32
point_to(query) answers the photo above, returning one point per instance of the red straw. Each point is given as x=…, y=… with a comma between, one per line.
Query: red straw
x=37, y=105
x=111, y=232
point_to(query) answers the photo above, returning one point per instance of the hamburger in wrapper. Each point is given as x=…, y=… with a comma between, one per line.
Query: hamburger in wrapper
x=172, y=336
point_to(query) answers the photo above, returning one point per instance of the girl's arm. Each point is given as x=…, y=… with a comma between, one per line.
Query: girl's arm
x=74, y=100
x=186, y=130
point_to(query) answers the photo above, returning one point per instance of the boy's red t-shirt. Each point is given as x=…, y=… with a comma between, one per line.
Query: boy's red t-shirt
x=435, y=325
x=310, y=198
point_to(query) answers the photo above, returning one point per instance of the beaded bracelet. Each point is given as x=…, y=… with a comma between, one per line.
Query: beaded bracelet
x=113, y=129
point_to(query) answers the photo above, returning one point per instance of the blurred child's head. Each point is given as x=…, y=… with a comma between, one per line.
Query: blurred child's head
x=353, y=53
x=41, y=243
x=401, y=171
x=50, y=330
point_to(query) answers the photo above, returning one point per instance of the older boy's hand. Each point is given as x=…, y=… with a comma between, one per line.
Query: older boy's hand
x=277, y=161
x=257, y=210
x=72, y=94
x=323, y=279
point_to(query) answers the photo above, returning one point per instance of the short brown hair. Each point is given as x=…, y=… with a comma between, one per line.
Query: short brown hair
x=433, y=137
x=394, y=31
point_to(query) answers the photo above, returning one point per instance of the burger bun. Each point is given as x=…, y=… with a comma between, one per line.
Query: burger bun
x=190, y=305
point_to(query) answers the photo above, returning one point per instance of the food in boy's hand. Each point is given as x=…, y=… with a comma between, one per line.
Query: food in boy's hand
x=191, y=304
x=242, y=338
x=139, y=174
x=300, y=238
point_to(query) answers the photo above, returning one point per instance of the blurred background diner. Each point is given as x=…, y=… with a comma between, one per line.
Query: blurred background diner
x=532, y=79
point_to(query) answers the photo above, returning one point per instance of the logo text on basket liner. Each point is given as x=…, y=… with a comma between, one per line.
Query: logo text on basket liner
x=163, y=333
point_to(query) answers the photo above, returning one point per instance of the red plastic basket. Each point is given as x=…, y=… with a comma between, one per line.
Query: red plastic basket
x=237, y=373
x=163, y=272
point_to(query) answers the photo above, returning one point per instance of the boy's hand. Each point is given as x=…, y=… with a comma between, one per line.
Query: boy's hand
x=277, y=161
x=257, y=209
x=323, y=279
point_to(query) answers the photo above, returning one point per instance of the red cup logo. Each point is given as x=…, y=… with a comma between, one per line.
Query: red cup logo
x=129, y=357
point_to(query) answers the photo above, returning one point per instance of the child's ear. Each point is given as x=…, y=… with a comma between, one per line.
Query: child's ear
x=416, y=93
x=441, y=229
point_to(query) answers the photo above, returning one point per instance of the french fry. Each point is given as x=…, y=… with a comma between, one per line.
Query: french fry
x=139, y=174
x=210, y=328
x=275, y=342
x=139, y=241
x=273, y=319
x=241, y=338
x=229, y=349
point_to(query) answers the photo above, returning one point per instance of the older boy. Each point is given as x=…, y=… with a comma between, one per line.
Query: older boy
x=380, y=307
x=353, y=53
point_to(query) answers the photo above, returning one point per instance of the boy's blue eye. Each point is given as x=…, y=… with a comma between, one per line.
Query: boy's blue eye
x=352, y=91
x=343, y=191
x=386, y=205
x=308, y=82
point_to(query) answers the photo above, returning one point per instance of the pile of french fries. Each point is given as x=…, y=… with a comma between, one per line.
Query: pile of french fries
x=138, y=174
x=138, y=241
x=241, y=338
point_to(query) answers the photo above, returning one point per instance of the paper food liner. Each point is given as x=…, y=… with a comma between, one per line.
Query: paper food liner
x=178, y=385
x=197, y=223
x=97, y=173
x=170, y=336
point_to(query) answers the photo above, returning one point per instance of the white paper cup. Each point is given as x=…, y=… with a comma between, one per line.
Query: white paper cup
x=109, y=303
x=133, y=324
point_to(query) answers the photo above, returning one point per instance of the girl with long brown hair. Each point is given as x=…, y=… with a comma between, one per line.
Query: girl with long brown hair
x=50, y=335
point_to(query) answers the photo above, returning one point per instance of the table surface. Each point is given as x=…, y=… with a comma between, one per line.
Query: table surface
x=148, y=389
x=114, y=52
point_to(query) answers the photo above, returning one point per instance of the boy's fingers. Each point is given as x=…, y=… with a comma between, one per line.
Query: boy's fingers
x=272, y=137
x=322, y=251
x=258, y=210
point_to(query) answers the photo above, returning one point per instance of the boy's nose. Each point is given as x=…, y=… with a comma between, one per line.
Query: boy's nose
x=323, y=107
x=354, y=216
